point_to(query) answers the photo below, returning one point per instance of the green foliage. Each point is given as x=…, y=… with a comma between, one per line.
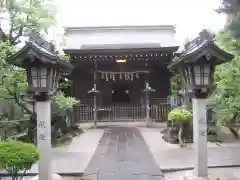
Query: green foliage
x=64, y=84
x=6, y=50
x=175, y=83
x=226, y=96
x=180, y=115
x=212, y=138
x=12, y=119
x=13, y=96
x=16, y=156
x=15, y=82
x=62, y=105
x=231, y=8
x=64, y=140
x=27, y=16
x=65, y=57
x=212, y=130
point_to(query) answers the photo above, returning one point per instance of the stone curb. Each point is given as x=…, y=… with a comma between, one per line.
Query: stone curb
x=127, y=124
x=34, y=174
x=169, y=170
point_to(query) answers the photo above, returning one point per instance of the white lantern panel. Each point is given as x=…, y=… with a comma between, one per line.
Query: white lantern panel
x=206, y=74
x=197, y=74
x=43, y=77
x=34, y=76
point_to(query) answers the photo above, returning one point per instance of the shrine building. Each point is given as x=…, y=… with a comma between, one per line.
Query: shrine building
x=121, y=72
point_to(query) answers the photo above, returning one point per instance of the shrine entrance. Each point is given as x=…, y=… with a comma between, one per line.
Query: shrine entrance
x=121, y=84
x=120, y=93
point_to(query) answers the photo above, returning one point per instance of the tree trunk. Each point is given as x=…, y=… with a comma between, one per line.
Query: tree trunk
x=180, y=135
x=31, y=128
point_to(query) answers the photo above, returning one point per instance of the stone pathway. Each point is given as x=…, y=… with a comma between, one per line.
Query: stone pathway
x=122, y=154
x=73, y=159
x=213, y=174
x=172, y=157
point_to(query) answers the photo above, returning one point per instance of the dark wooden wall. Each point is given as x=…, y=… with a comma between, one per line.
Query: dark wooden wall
x=159, y=79
x=135, y=88
x=82, y=82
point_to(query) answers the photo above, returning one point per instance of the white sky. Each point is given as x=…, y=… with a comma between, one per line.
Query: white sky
x=189, y=16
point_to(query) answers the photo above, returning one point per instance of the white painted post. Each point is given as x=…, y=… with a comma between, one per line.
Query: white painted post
x=43, y=110
x=200, y=137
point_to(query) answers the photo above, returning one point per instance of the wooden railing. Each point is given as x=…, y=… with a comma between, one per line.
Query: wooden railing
x=85, y=113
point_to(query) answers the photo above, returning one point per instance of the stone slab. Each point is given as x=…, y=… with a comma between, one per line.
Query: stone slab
x=74, y=158
x=172, y=157
x=123, y=154
x=213, y=174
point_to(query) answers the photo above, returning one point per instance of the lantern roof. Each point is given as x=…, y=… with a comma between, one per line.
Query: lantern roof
x=43, y=51
x=201, y=46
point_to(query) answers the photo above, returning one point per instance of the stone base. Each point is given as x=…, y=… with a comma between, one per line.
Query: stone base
x=191, y=176
x=54, y=177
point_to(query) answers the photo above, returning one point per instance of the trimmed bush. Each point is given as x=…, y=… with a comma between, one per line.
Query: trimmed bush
x=180, y=115
x=16, y=156
x=212, y=138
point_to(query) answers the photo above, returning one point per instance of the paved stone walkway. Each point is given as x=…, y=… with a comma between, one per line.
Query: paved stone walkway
x=74, y=158
x=172, y=157
x=213, y=174
x=122, y=154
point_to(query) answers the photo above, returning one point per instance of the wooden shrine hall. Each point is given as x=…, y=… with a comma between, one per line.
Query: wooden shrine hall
x=121, y=72
x=119, y=77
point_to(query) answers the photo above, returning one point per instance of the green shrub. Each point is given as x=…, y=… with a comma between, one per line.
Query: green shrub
x=212, y=130
x=16, y=156
x=64, y=140
x=212, y=138
x=62, y=105
x=180, y=115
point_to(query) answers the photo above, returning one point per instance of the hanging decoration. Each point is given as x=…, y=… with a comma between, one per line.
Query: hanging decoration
x=120, y=75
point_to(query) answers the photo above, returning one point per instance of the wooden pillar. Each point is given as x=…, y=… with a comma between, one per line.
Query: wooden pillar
x=147, y=103
x=95, y=99
x=185, y=98
x=147, y=92
x=95, y=92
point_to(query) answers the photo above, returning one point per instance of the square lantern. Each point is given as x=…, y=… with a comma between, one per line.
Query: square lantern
x=197, y=63
x=42, y=77
x=198, y=74
x=43, y=65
